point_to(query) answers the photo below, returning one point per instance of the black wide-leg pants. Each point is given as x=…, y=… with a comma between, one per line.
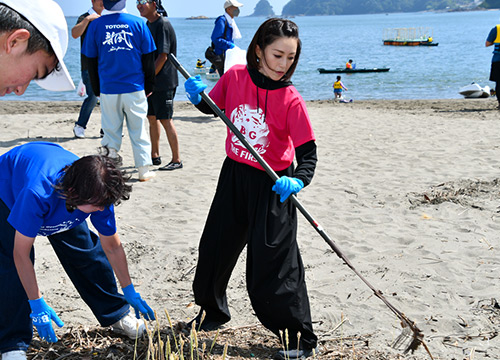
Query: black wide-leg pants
x=245, y=211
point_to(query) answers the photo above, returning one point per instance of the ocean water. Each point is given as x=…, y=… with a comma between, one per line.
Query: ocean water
x=329, y=41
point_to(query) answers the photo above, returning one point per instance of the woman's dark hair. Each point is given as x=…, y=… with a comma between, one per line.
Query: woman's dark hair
x=271, y=30
x=11, y=20
x=93, y=180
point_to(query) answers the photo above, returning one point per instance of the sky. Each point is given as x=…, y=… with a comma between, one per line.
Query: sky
x=176, y=8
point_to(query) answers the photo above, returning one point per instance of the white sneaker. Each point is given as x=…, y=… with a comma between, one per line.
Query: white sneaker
x=129, y=326
x=145, y=174
x=14, y=355
x=79, y=131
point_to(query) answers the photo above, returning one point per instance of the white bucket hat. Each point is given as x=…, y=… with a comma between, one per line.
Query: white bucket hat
x=48, y=18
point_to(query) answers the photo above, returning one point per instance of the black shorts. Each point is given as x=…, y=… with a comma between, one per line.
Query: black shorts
x=161, y=104
x=495, y=71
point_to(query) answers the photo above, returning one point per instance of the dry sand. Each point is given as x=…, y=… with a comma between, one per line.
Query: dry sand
x=409, y=190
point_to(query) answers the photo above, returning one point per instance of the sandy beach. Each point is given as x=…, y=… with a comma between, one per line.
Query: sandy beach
x=409, y=190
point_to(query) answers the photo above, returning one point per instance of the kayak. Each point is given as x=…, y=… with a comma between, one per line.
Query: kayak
x=202, y=70
x=344, y=70
x=213, y=76
x=410, y=43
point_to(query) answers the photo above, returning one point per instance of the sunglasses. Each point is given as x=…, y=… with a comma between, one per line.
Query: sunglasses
x=143, y=2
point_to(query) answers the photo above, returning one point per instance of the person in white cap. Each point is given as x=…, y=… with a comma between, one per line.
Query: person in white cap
x=33, y=41
x=225, y=32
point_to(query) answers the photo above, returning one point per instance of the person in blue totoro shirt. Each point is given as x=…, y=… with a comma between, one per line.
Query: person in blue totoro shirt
x=46, y=190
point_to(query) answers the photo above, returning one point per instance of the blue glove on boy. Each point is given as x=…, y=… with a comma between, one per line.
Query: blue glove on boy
x=285, y=186
x=139, y=305
x=42, y=316
x=194, y=86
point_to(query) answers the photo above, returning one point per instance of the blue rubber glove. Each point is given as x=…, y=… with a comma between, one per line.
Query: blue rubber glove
x=231, y=45
x=285, y=186
x=42, y=316
x=139, y=305
x=194, y=86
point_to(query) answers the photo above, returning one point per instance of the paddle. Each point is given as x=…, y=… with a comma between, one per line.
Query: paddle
x=412, y=336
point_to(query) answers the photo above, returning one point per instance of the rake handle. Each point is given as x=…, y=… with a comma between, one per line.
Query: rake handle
x=293, y=198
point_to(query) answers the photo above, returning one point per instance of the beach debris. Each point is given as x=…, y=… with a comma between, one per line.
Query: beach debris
x=243, y=342
x=466, y=192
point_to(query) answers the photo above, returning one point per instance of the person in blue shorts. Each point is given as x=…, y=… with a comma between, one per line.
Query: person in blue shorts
x=338, y=88
x=46, y=190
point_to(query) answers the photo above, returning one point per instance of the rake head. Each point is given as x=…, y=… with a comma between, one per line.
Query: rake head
x=410, y=338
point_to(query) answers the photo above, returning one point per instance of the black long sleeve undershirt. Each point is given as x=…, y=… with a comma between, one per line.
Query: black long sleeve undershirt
x=205, y=108
x=94, y=75
x=307, y=158
x=148, y=66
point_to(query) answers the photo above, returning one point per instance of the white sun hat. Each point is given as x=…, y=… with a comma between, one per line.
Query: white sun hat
x=48, y=17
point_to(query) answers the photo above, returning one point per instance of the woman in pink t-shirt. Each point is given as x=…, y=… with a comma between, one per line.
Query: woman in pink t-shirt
x=248, y=207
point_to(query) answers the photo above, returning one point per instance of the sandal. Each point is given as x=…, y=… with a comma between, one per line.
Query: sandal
x=156, y=160
x=172, y=166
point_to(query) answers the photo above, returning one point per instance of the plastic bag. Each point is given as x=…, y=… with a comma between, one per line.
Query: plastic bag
x=81, y=90
x=235, y=56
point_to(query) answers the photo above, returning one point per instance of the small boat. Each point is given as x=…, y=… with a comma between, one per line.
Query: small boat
x=200, y=70
x=344, y=70
x=409, y=37
x=428, y=43
x=410, y=42
x=474, y=91
x=213, y=76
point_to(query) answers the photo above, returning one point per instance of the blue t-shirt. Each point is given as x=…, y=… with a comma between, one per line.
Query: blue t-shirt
x=496, y=52
x=119, y=40
x=27, y=176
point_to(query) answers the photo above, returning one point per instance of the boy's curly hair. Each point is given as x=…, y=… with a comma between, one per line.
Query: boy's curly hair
x=93, y=180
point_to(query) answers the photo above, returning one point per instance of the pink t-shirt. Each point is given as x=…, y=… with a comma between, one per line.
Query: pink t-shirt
x=275, y=128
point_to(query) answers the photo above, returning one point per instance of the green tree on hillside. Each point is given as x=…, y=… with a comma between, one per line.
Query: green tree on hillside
x=345, y=7
x=491, y=4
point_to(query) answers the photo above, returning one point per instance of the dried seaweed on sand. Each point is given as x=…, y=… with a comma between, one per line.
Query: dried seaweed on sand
x=243, y=342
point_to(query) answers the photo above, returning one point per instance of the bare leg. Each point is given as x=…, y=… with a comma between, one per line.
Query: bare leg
x=168, y=124
x=154, y=133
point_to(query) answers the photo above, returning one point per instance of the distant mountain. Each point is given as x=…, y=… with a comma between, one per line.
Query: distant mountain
x=263, y=8
x=345, y=7
x=491, y=4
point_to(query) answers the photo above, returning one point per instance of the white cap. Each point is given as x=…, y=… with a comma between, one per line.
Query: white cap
x=48, y=18
x=229, y=3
